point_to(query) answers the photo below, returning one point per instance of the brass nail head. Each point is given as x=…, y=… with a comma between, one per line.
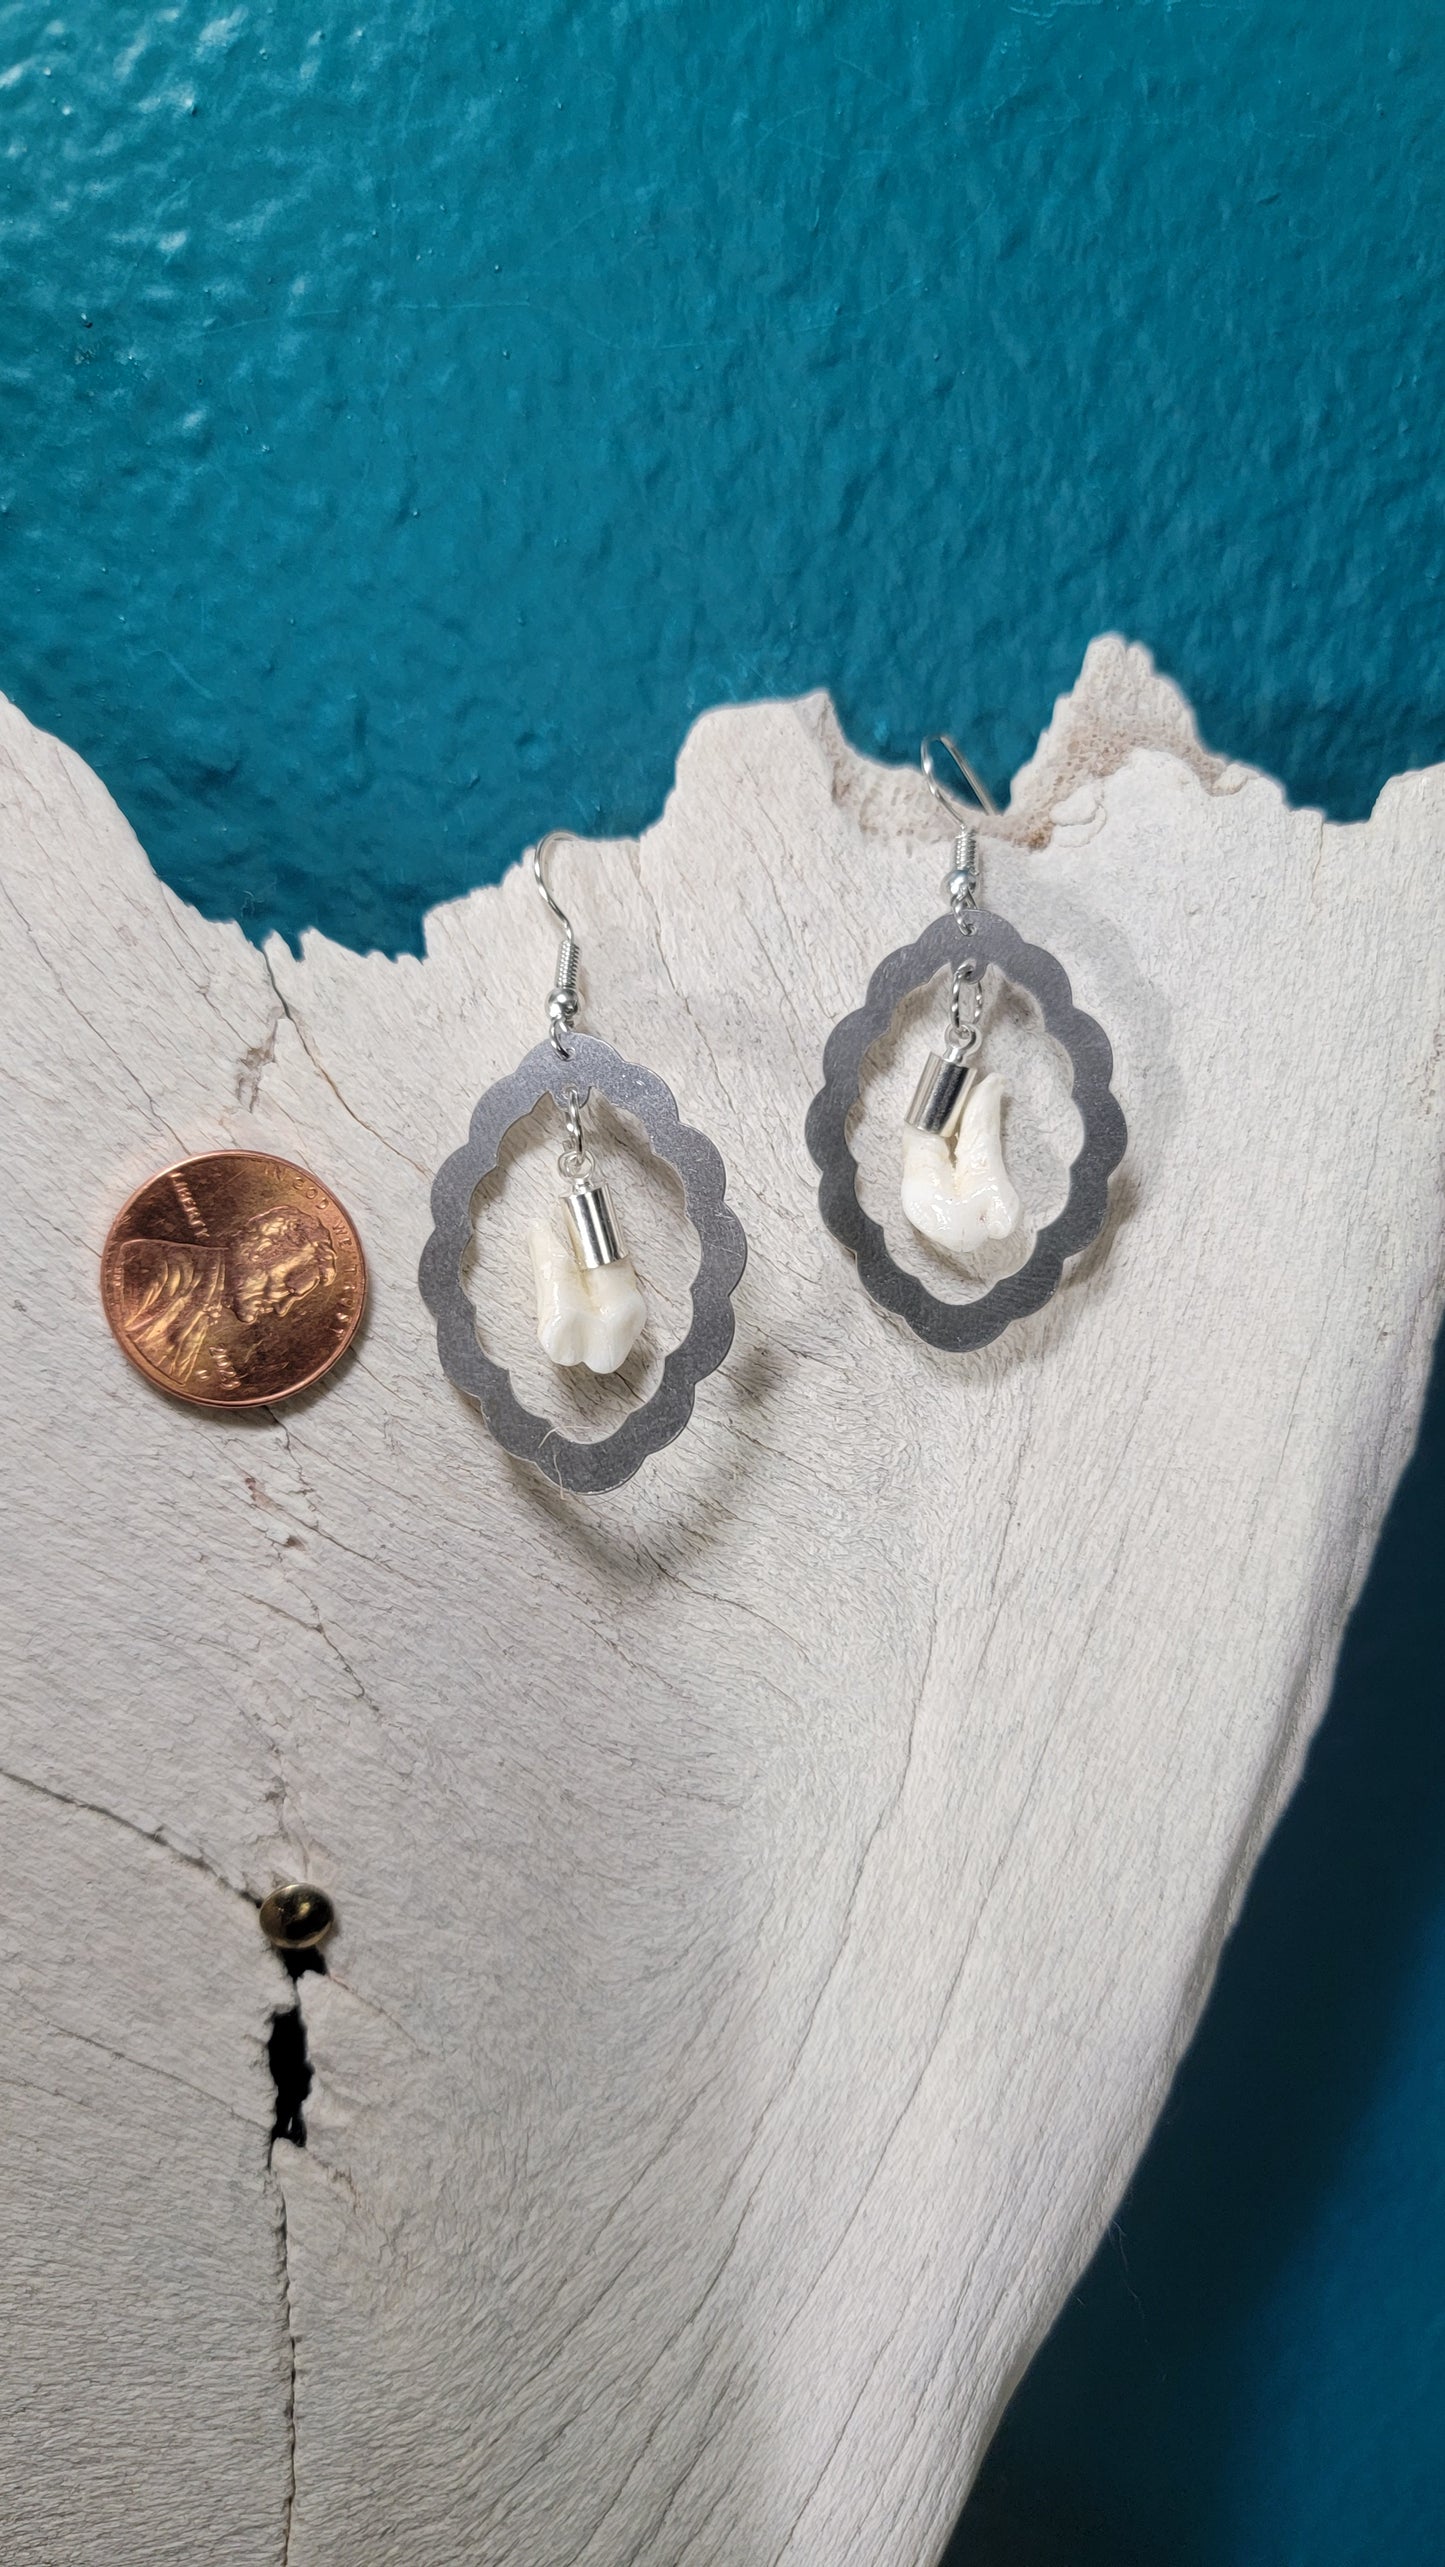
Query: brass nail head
x=297, y=1916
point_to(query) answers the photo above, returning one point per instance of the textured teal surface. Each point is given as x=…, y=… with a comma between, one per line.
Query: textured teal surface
x=415, y=414
x=412, y=416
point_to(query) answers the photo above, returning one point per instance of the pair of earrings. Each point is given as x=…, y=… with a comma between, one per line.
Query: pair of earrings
x=955, y=1187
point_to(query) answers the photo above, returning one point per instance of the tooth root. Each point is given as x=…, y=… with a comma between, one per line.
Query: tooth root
x=584, y=1316
x=561, y=1305
x=963, y=1197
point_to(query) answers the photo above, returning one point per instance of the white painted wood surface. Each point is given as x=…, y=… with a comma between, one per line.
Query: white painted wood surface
x=773, y=1897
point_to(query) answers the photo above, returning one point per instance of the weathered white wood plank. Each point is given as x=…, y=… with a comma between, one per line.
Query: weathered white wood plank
x=145, y=2373
x=773, y=1897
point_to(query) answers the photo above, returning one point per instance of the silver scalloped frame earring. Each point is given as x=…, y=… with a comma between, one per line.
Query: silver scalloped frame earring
x=956, y=1189
x=590, y=1308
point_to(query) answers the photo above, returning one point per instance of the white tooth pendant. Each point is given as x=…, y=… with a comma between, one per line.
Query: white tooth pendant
x=956, y=1190
x=590, y=1308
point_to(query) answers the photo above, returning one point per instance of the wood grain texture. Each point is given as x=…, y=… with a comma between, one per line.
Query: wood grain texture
x=773, y=1897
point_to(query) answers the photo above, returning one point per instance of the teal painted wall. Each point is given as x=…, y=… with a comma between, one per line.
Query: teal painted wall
x=413, y=415
x=416, y=413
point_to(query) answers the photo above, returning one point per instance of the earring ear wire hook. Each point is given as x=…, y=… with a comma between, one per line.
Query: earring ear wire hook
x=562, y=999
x=983, y=799
x=961, y=881
x=540, y=854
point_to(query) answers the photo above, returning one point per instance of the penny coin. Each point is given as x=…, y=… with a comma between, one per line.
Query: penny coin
x=233, y=1279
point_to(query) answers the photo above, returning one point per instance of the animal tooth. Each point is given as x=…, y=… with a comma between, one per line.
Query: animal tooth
x=585, y=1315
x=961, y=1197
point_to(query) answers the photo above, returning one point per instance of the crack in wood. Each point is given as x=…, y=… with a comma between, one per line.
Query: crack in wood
x=287, y=2055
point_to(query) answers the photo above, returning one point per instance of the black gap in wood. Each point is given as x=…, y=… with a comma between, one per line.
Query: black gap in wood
x=287, y=2056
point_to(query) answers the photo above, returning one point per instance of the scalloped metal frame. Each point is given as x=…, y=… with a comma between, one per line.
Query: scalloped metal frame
x=587, y=1469
x=959, y=1327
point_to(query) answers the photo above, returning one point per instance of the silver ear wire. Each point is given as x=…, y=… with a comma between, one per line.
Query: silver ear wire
x=562, y=998
x=983, y=799
x=961, y=881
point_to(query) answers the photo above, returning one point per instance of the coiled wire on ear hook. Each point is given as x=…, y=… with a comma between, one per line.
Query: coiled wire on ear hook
x=961, y=883
x=563, y=1001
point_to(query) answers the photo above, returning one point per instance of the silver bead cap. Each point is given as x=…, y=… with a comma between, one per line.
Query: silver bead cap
x=593, y=1225
x=942, y=1093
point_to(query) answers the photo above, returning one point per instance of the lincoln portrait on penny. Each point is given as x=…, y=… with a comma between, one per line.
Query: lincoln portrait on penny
x=184, y=1305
